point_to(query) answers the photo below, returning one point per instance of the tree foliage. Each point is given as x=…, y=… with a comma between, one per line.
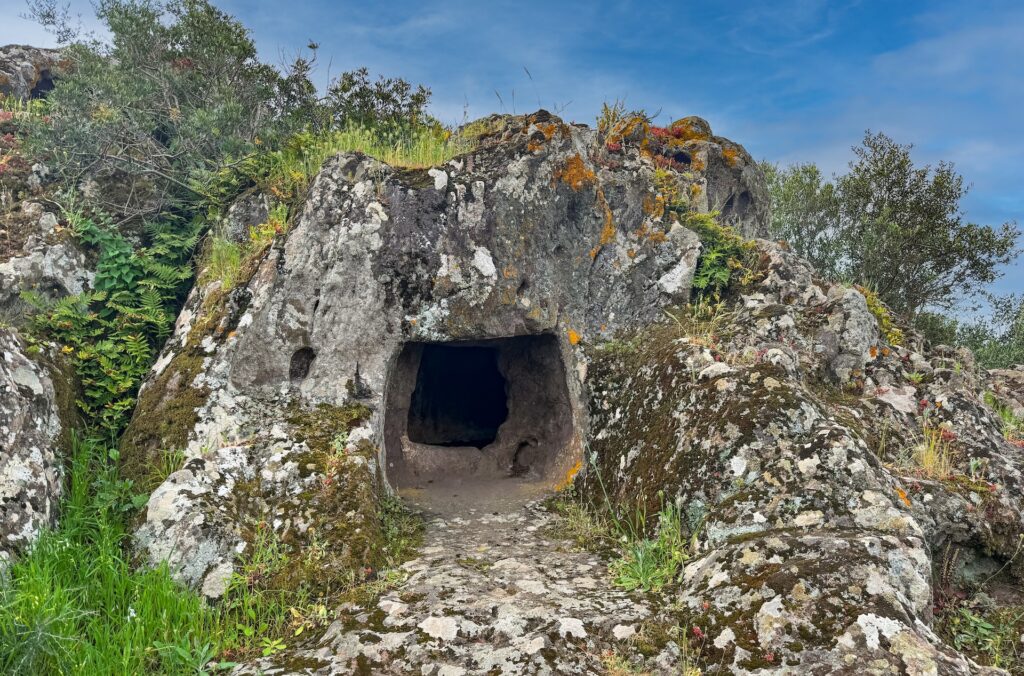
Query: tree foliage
x=891, y=226
x=997, y=340
x=179, y=93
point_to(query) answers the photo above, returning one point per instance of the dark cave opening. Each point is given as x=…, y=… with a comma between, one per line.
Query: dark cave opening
x=459, y=398
x=490, y=408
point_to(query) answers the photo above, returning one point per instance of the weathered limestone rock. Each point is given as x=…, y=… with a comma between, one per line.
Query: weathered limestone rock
x=527, y=236
x=781, y=422
x=35, y=415
x=27, y=72
x=786, y=434
x=44, y=262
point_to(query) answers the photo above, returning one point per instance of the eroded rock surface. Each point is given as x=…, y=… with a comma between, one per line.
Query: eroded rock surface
x=786, y=423
x=44, y=261
x=34, y=416
x=489, y=593
x=761, y=420
x=27, y=72
x=542, y=230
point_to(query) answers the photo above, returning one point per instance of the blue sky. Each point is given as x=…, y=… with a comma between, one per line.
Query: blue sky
x=792, y=80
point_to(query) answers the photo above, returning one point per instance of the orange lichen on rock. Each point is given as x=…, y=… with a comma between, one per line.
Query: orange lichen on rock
x=574, y=338
x=534, y=146
x=576, y=174
x=569, y=476
x=731, y=156
x=653, y=236
x=608, y=231
x=697, y=164
x=903, y=496
x=654, y=205
x=688, y=129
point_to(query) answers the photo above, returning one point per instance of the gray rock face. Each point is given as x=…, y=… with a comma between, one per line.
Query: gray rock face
x=30, y=447
x=248, y=211
x=27, y=72
x=45, y=262
x=532, y=235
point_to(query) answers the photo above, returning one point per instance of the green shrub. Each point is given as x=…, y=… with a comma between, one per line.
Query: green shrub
x=988, y=633
x=722, y=255
x=112, y=334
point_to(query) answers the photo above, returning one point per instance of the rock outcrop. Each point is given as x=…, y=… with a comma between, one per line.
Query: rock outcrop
x=37, y=412
x=761, y=421
x=27, y=72
x=39, y=260
x=530, y=235
x=781, y=421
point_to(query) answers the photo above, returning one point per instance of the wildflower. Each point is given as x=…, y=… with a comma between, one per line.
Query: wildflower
x=923, y=403
x=947, y=434
x=769, y=657
x=131, y=614
x=698, y=633
x=706, y=605
x=613, y=147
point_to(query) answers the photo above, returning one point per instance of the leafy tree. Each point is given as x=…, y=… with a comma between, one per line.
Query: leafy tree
x=354, y=97
x=997, y=341
x=891, y=226
x=805, y=213
x=178, y=90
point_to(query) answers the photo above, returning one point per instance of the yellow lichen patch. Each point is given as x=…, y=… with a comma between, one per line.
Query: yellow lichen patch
x=548, y=130
x=534, y=146
x=509, y=272
x=731, y=156
x=697, y=164
x=687, y=130
x=617, y=130
x=569, y=476
x=695, y=190
x=653, y=236
x=575, y=174
x=574, y=338
x=631, y=253
x=608, y=231
x=654, y=205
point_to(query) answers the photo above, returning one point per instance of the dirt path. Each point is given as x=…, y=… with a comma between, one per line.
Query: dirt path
x=492, y=592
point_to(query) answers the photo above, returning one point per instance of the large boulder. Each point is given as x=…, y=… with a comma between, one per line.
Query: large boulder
x=784, y=422
x=28, y=72
x=541, y=232
x=37, y=412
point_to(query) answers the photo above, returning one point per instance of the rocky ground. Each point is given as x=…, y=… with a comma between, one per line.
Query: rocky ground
x=496, y=589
